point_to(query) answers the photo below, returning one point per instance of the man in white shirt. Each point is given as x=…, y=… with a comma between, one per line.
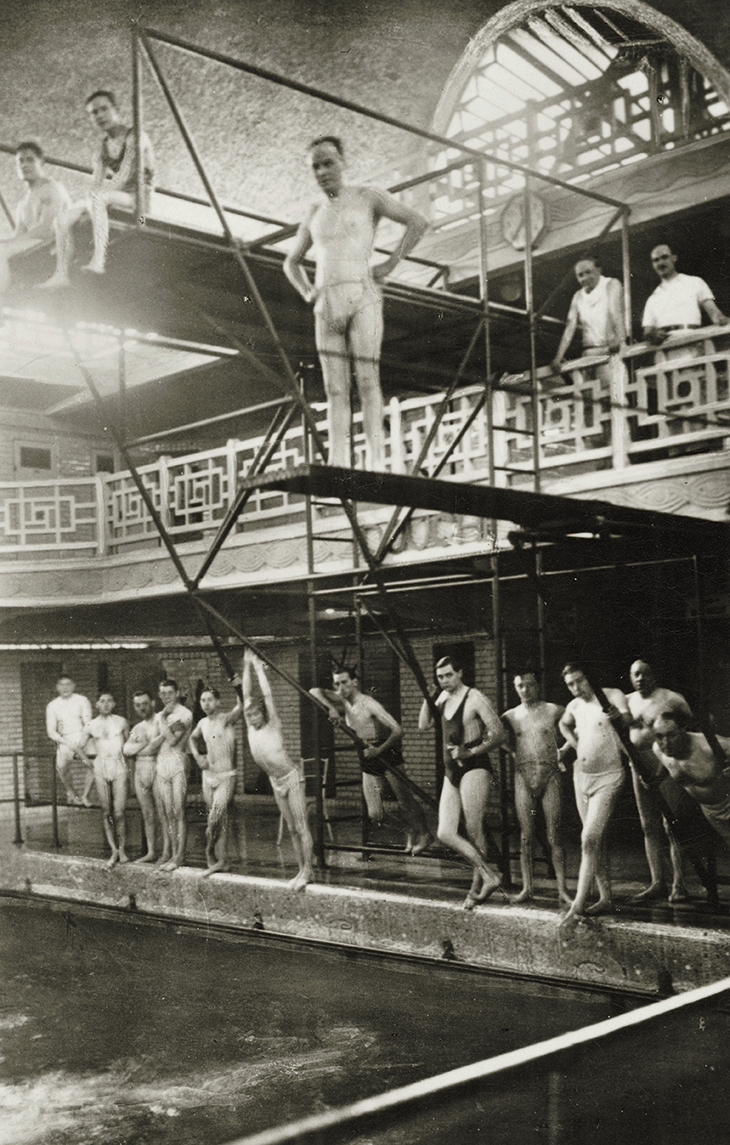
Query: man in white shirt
x=67, y=718
x=678, y=302
x=598, y=310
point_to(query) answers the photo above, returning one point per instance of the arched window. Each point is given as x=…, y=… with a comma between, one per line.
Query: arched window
x=574, y=92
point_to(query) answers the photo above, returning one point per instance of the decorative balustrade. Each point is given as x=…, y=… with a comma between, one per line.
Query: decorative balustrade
x=602, y=413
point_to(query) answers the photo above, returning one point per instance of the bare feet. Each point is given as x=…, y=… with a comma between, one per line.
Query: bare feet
x=679, y=894
x=123, y=858
x=564, y=897
x=568, y=924
x=489, y=883
x=221, y=865
x=170, y=865
x=603, y=906
x=409, y=844
x=55, y=282
x=300, y=881
x=113, y=861
x=94, y=267
x=148, y=858
x=525, y=895
x=86, y=802
x=422, y=841
x=652, y=893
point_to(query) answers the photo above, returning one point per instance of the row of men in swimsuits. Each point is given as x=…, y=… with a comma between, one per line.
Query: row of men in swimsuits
x=539, y=736
x=159, y=744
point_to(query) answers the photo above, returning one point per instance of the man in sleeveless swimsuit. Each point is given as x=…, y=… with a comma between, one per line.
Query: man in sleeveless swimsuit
x=533, y=742
x=471, y=727
x=67, y=718
x=598, y=310
x=109, y=731
x=380, y=757
x=113, y=184
x=346, y=294
x=598, y=777
x=143, y=744
x=213, y=747
x=174, y=724
x=44, y=202
x=266, y=741
x=646, y=703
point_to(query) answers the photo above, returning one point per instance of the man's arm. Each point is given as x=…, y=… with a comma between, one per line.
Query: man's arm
x=200, y=758
x=260, y=670
x=384, y=717
x=714, y=313
x=293, y=268
x=571, y=326
x=510, y=743
x=386, y=207
x=495, y=732
x=615, y=298
x=335, y=707
x=52, y=724
x=235, y=712
x=567, y=727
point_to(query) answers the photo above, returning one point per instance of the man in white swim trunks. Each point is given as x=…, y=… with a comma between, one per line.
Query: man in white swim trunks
x=44, y=203
x=598, y=776
x=174, y=724
x=690, y=761
x=380, y=757
x=266, y=741
x=113, y=184
x=67, y=718
x=646, y=703
x=346, y=294
x=213, y=747
x=143, y=744
x=109, y=732
x=533, y=742
x=598, y=310
x=470, y=728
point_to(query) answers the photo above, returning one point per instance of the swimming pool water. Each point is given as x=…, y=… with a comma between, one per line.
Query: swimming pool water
x=120, y=1031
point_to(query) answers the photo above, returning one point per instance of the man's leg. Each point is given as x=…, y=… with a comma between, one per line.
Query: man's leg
x=9, y=248
x=88, y=786
x=372, y=789
x=64, y=759
x=293, y=806
x=365, y=337
x=143, y=791
x=163, y=799
x=119, y=804
x=411, y=810
x=333, y=358
x=654, y=840
x=178, y=789
x=216, y=833
x=63, y=231
x=595, y=812
x=525, y=806
x=102, y=789
x=448, y=833
x=552, y=804
x=474, y=789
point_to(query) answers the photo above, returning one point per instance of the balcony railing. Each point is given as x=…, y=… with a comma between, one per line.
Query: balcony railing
x=600, y=414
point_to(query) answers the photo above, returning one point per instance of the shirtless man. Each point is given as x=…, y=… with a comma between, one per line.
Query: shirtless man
x=471, y=727
x=44, y=202
x=143, y=744
x=533, y=742
x=109, y=731
x=66, y=720
x=113, y=183
x=646, y=703
x=690, y=761
x=266, y=741
x=174, y=724
x=346, y=295
x=598, y=777
x=213, y=746
x=380, y=757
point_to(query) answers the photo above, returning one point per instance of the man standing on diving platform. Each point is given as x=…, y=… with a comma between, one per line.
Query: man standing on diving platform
x=346, y=294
